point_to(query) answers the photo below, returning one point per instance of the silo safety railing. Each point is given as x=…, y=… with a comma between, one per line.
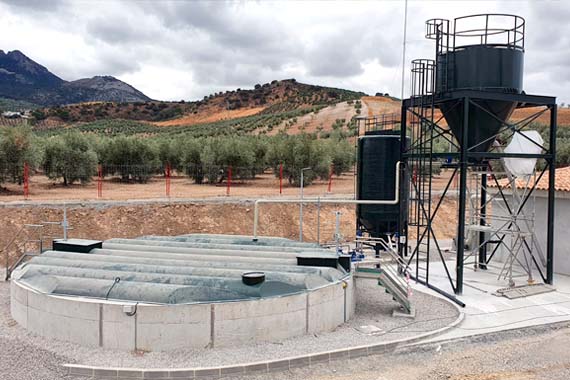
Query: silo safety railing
x=481, y=29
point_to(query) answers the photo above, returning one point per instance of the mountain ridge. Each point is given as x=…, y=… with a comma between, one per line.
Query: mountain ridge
x=21, y=78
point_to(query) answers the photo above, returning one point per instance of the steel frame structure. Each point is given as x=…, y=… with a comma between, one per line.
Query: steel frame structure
x=436, y=93
x=422, y=122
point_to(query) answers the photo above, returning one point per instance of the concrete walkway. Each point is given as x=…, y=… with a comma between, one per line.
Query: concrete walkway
x=486, y=313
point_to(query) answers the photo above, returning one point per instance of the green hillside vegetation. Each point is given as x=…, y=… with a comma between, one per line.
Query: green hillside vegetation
x=16, y=105
x=276, y=97
x=261, y=123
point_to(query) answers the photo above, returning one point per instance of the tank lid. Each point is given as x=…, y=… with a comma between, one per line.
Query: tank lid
x=387, y=132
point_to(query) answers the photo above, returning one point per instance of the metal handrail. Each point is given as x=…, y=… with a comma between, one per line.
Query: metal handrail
x=6, y=251
x=9, y=268
x=393, y=253
x=448, y=35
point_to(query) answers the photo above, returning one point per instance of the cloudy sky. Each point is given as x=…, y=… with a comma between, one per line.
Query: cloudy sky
x=188, y=49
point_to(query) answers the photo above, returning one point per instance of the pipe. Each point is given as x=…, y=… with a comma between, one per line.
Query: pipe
x=438, y=290
x=394, y=201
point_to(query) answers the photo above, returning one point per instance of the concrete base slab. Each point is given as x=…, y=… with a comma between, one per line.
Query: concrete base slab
x=524, y=291
x=485, y=313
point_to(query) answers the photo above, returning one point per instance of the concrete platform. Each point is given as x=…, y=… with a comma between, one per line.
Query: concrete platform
x=486, y=313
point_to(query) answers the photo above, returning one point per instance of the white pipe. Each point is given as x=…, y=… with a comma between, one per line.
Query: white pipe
x=394, y=201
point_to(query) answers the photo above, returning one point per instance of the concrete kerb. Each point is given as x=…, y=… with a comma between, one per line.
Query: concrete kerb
x=258, y=367
x=101, y=204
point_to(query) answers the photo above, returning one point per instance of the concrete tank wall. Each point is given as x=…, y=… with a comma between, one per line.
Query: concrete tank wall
x=92, y=322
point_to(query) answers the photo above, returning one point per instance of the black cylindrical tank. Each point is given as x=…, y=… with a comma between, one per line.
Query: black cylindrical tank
x=481, y=67
x=378, y=153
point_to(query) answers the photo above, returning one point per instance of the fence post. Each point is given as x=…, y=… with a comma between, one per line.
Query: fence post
x=167, y=179
x=26, y=180
x=330, y=178
x=229, y=180
x=99, y=181
x=280, y=178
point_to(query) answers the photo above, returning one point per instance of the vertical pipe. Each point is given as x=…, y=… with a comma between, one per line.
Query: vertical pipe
x=403, y=229
x=462, y=194
x=337, y=230
x=64, y=224
x=318, y=220
x=483, y=222
x=551, y=195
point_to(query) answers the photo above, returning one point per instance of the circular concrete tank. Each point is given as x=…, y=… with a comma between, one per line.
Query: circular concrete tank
x=162, y=293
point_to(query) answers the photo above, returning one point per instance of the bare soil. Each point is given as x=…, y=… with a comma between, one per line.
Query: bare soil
x=96, y=221
x=264, y=185
x=104, y=219
x=323, y=119
x=378, y=105
x=209, y=117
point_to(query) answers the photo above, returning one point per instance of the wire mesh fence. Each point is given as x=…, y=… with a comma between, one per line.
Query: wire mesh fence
x=76, y=179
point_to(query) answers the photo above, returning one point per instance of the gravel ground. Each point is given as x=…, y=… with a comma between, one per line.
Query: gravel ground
x=375, y=308
x=527, y=354
x=537, y=353
x=23, y=356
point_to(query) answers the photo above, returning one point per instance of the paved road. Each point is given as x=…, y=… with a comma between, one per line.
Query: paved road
x=537, y=353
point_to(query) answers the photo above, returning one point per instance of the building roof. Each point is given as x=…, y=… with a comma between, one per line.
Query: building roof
x=561, y=181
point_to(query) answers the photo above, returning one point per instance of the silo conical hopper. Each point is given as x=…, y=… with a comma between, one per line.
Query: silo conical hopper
x=473, y=58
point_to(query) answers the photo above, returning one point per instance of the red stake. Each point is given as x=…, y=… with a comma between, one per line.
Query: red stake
x=26, y=181
x=330, y=178
x=229, y=180
x=167, y=177
x=280, y=179
x=99, y=181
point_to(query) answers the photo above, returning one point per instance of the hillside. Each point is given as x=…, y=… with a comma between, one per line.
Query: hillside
x=22, y=79
x=270, y=98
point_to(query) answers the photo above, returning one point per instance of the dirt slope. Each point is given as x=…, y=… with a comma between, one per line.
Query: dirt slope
x=209, y=117
x=378, y=105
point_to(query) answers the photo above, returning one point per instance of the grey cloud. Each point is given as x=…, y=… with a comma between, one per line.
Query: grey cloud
x=223, y=45
x=35, y=5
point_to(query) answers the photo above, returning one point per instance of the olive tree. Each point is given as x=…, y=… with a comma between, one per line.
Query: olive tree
x=16, y=149
x=69, y=157
x=129, y=157
x=298, y=152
